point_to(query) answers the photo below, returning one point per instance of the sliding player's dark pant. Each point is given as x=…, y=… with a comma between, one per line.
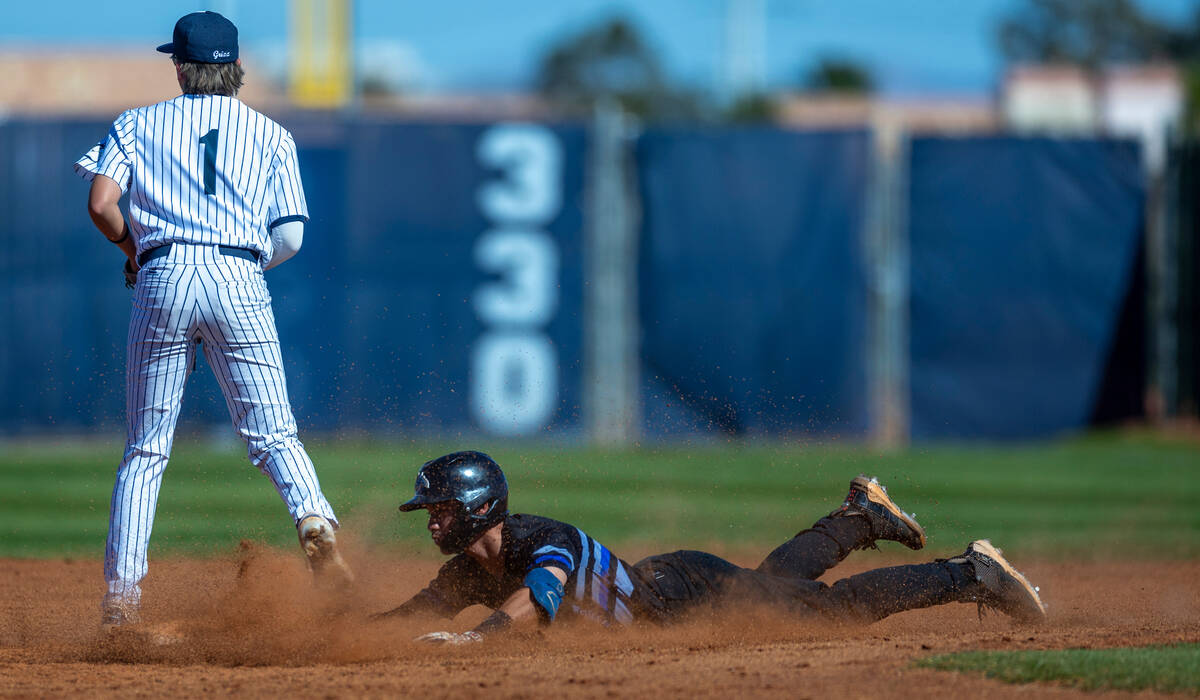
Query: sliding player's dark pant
x=687, y=580
x=814, y=551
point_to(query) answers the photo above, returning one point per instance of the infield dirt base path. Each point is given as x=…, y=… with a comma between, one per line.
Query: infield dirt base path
x=253, y=625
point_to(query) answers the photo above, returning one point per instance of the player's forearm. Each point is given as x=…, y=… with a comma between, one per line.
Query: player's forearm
x=109, y=220
x=105, y=211
x=519, y=606
x=112, y=224
x=129, y=248
x=520, y=609
x=499, y=621
x=537, y=600
x=426, y=602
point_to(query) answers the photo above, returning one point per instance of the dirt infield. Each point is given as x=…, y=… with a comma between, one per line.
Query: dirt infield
x=252, y=625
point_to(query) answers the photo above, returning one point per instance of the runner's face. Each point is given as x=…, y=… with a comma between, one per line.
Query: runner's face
x=441, y=517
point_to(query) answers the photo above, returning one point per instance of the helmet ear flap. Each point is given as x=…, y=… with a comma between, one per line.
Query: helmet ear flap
x=489, y=509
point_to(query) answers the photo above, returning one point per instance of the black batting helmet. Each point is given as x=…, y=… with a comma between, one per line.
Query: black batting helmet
x=471, y=479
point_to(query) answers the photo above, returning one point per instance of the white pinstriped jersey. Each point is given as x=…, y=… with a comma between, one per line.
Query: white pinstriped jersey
x=202, y=169
x=205, y=176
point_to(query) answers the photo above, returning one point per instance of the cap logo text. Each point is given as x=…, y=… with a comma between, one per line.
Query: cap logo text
x=221, y=54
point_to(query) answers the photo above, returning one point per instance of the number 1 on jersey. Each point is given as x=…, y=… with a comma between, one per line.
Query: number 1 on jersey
x=209, y=141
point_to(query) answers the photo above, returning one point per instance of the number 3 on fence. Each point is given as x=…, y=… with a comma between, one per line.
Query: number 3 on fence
x=514, y=365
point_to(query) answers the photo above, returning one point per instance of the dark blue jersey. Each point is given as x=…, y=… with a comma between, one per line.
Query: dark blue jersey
x=599, y=585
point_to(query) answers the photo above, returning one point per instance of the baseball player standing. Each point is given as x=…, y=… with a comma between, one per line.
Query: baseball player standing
x=214, y=199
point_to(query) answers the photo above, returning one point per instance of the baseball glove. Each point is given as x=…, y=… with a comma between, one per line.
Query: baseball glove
x=130, y=274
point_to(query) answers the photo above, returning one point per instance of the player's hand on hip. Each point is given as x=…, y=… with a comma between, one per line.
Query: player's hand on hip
x=131, y=271
x=468, y=637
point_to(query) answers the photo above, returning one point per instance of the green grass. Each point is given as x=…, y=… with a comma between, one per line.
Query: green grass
x=1166, y=669
x=1126, y=493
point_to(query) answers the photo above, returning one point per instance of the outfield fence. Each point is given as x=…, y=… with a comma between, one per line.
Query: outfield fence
x=608, y=283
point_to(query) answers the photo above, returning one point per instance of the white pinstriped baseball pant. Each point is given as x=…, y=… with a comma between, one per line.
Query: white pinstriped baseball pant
x=196, y=293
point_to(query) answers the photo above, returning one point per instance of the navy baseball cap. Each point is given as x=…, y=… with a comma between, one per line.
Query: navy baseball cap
x=203, y=37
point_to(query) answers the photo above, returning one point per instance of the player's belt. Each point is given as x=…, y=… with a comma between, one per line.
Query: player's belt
x=159, y=251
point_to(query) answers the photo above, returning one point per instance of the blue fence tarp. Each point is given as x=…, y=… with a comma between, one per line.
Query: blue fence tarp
x=1022, y=251
x=440, y=289
x=752, y=287
x=411, y=308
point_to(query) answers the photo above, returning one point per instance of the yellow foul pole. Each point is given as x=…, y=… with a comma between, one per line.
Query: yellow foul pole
x=321, y=73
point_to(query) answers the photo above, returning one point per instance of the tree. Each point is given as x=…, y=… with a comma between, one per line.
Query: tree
x=754, y=108
x=1086, y=33
x=610, y=61
x=841, y=76
x=1183, y=44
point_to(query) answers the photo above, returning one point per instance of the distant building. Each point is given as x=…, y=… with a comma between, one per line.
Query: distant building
x=104, y=82
x=488, y=106
x=1049, y=99
x=1143, y=102
x=97, y=81
x=911, y=114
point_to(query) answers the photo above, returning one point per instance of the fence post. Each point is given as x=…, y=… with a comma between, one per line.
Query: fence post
x=1185, y=228
x=611, y=401
x=1162, y=208
x=888, y=279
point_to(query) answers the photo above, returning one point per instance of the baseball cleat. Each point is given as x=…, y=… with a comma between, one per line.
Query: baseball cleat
x=869, y=498
x=1002, y=587
x=320, y=546
x=115, y=614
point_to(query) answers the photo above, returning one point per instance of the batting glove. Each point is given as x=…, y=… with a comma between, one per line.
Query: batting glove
x=455, y=638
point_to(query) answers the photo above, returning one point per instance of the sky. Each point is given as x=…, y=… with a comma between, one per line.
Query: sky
x=912, y=47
